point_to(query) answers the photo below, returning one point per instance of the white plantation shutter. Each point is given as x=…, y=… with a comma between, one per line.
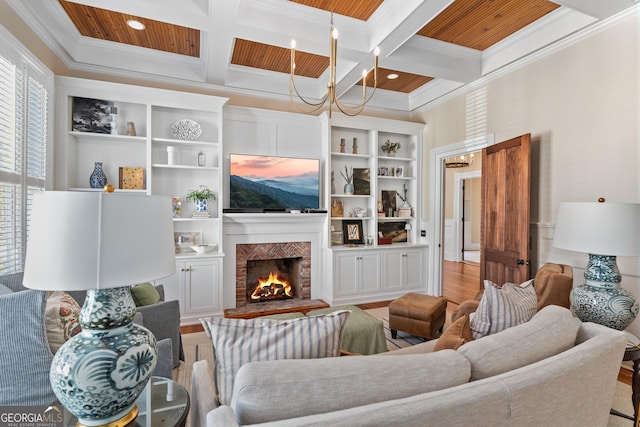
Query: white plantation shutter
x=24, y=137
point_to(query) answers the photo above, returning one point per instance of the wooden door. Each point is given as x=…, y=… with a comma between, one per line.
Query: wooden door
x=504, y=228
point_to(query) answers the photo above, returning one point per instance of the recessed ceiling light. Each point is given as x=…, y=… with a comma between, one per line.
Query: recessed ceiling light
x=392, y=76
x=135, y=24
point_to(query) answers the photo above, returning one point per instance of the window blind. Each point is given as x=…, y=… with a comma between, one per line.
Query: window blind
x=24, y=113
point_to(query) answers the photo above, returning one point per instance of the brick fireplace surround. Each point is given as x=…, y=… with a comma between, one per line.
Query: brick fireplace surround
x=266, y=251
x=272, y=235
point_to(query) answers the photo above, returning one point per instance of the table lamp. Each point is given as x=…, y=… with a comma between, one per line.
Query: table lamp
x=102, y=243
x=604, y=231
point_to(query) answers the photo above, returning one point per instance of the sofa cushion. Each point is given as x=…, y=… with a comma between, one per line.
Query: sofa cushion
x=339, y=383
x=145, y=294
x=503, y=307
x=551, y=331
x=239, y=341
x=25, y=356
x=62, y=319
x=456, y=335
x=5, y=290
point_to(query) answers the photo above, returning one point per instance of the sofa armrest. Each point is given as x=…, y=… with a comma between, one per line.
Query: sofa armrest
x=163, y=320
x=221, y=416
x=204, y=395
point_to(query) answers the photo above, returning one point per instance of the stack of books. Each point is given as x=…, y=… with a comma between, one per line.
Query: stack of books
x=205, y=214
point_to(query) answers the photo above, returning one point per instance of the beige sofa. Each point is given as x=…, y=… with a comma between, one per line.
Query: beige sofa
x=551, y=371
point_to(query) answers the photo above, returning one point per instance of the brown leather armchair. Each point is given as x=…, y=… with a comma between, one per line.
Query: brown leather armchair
x=553, y=284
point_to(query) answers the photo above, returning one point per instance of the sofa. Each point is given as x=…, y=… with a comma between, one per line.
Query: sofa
x=552, y=370
x=26, y=361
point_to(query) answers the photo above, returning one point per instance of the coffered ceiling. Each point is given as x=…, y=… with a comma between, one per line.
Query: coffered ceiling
x=242, y=46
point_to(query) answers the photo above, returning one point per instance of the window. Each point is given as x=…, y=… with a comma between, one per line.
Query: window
x=25, y=86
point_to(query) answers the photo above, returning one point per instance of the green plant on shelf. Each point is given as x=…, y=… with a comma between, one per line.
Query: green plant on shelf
x=390, y=147
x=204, y=193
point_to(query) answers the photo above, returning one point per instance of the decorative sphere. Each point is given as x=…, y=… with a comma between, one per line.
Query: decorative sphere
x=109, y=188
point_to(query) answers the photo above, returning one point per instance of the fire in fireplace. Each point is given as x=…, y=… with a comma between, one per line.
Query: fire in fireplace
x=273, y=279
x=272, y=288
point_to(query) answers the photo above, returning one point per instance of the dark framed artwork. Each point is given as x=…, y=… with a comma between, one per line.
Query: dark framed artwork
x=352, y=232
x=394, y=230
x=91, y=115
x=389, y=202
x=361, y=181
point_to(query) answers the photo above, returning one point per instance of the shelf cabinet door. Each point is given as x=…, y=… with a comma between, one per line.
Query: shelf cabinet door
x=202, y=286
x=356, y=273
x=403, y=269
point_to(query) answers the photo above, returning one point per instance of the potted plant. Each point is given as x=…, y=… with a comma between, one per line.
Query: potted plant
x=391, y=148
x=348, y=176
x=200, y=197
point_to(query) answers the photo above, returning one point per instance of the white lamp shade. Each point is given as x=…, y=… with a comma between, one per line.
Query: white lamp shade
x=86, y=240
x=599, y=228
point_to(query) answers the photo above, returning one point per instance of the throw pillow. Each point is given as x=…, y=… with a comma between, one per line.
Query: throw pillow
x=25, y=356
x=62, y=319
x=503, y=307
x=456, y=335
x=145, y=294
x=238, y=341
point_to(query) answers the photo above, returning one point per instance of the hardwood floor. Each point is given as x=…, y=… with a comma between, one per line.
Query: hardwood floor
x=460, y=281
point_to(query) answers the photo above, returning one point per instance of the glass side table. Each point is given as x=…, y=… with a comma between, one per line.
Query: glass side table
x=163, y=402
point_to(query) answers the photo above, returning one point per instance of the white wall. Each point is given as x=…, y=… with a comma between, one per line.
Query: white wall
x=581, y=104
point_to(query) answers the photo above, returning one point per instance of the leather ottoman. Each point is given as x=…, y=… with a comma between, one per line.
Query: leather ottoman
x=418, y=314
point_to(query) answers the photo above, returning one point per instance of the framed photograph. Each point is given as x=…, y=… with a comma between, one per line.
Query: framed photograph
x=383, y=171
x=91, y=115
x=185, y=239
x=389, y=202
x=352, y=232
x=394, y=230
x=361, y=181
x=336, y=238
x=398, y=171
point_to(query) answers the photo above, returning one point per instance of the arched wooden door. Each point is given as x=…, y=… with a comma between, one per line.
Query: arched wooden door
x=504, y=233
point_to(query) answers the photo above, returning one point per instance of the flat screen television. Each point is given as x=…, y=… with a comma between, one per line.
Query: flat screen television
x=273, y=183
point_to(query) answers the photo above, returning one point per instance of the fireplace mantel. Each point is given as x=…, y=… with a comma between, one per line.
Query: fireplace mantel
x=254, y=228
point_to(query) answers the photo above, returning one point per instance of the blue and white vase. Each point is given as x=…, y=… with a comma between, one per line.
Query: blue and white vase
x=348, y=188
x=97, y=179
x=201, y=205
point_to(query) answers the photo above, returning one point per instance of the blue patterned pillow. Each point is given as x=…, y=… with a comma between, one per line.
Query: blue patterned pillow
x=25, y=356
x=239, y=341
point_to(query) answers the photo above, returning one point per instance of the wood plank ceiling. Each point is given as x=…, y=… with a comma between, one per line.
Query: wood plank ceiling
x=476, y=24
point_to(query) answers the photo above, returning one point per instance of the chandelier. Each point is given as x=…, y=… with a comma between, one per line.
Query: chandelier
x=349, y=110
x=459, y=161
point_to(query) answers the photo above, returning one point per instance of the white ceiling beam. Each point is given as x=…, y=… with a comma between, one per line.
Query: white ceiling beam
x=599, y=9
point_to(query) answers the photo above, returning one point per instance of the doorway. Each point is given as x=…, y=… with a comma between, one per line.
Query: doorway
x=456, y=273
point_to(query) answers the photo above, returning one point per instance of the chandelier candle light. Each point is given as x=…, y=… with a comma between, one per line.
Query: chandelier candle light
x=349, y=110
x=604, y=231
x=102, y=243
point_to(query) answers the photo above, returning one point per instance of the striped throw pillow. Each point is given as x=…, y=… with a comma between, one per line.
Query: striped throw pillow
x=239, y=341
x=503, y=307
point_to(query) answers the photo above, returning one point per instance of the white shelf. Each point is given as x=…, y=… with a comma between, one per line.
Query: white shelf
x=187, y=219
x=350, y=155
x=397, y=159
x=171, y=141
x=107, y=136
x=96, y=190
x=351, y=196
x=163, y=166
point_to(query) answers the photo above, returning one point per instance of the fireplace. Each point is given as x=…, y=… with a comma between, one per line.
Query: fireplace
x=273, y=279
x=289, y=261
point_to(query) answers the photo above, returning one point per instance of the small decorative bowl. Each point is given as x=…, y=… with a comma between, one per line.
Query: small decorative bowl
x=204, y=248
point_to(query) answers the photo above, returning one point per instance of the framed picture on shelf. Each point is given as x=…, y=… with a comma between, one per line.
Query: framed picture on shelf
x=132, y=178
x=398, y=171
x=389, y=202
x=185, y=239
x=91, y=115
x=394, y=230
x=383, y=171
x=361, y=181
x=352, y=232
